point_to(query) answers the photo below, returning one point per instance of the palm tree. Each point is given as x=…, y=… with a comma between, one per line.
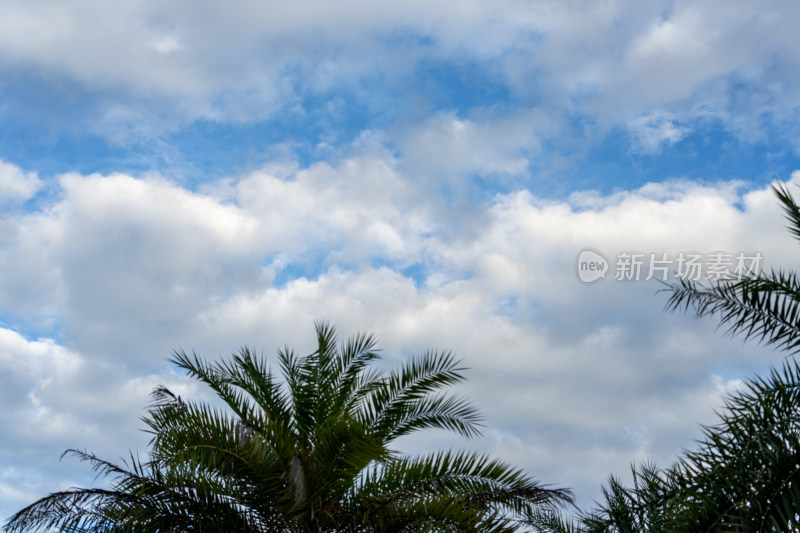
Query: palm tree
x=306, y=453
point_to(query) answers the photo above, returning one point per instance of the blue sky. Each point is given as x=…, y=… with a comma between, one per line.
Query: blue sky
x=208, y=175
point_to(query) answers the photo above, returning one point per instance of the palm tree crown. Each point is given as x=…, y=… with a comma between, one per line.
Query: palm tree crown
x=309, y=451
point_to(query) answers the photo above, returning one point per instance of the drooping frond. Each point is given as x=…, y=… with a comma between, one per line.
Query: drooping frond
x=464, y=484
x=765, y=307
x=142, y=499
x=790, y=208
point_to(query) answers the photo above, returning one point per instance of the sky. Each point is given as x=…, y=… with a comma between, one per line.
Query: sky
x=205, y=176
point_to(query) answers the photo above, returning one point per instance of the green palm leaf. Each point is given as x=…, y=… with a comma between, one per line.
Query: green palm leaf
x=765, y=308
x=307, y=450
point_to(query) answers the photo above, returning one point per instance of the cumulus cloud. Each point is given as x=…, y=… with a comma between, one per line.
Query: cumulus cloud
x=611, y=61
x=16, y=185
x=232, y=62
x=144, y=252
x=555, y=363
x=55, y=399
x=592, y=376
x=619, y=61
x=104, y=274
x=352, y=212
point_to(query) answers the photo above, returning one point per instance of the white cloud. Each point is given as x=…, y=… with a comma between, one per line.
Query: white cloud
x=597, y=374
x=55, y=399
x=576, y=380
x=350, y=213
x=227, y=62
x=652, y=132
x=142, y=253
x=615, y=60
x=554, y=362
x=16, y=185
x=446, y=148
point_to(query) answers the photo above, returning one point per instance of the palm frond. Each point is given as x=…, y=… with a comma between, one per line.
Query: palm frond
x=790, y=208
x=766, y=308
x=471, y=482
x=401, y=404
x=745, y=474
